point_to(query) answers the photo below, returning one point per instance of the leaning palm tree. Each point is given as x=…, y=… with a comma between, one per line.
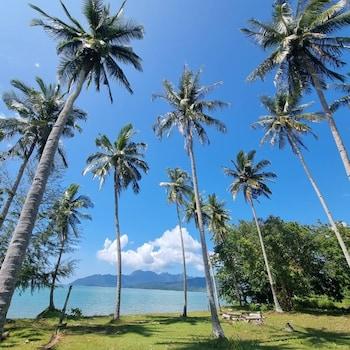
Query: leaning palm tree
x=305, y=50
x=250, y=179
x=66, y=217
x=190, y=115
x=286, y=123
x=37, y=111
x=178, y=188
x=124, y=158
x=87, y=55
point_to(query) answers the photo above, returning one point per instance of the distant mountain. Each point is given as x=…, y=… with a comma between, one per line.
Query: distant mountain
x=143, y=280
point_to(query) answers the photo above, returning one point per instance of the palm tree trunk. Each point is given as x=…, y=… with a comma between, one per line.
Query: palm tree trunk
x=184, y=314
x=332, y=125
x=212, y=275
x=322, y=201
x=15, y=185
x=217, y=329
x=271, y=280
x=17, y=249
x=119, y=250
x=54, y=278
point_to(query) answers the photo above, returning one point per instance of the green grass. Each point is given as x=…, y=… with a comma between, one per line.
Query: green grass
x=167, y=331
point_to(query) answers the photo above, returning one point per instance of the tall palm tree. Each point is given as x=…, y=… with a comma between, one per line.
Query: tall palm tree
x=250, y=179
x=287, y=123
x=124, y=158
x=219, y=218
x=305, y=50
x=189, y=115
x=86, y=56
x=178, y=188
x=37, y=110
x=66, y=217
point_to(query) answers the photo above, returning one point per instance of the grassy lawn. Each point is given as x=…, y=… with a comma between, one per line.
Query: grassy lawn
x=167, y=331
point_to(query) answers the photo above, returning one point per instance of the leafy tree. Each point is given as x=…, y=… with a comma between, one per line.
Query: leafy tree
x=250, y=179
x=87, y=56
x=178, y=189
x=304, y=259
x=189, y=115
x=37, y=111
x=124, y=158
x=305, y=50
x=287, y=123
x=66, y=217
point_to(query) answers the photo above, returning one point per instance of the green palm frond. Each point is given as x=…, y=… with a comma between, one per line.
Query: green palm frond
x=98, y=51
x=123, y=157
x=190, y=108
x=248, y=177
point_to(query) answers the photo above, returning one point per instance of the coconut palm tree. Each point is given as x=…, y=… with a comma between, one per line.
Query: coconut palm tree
x=124, y=158
x=343, y=101
x=287, y=123
x=178, y=188
x=250, y=179
x=305, y=50
x=87, y=55
x=66, y=217
x=190, y=114
x=219, y=218
x=37, y=111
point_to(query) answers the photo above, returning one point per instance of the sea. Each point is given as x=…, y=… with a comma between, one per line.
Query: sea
x=101, y=300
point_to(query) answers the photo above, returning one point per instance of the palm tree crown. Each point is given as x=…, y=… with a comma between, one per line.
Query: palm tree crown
x=190, y=109
x=302, y=38
x=66, y=214
x=249, y=178
x=218, y=217
x=179, y=187
x=287, y=120
x=191, y=210
x=124, y=156
x=97, y=51
x=37, y=111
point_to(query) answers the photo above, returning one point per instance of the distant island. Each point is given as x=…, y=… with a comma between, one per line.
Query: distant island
x=144, y=280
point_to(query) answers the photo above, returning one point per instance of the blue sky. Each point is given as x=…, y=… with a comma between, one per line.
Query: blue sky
x=203, y=34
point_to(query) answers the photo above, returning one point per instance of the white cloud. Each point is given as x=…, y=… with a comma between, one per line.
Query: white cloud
x=158, y=255
x=37, y=65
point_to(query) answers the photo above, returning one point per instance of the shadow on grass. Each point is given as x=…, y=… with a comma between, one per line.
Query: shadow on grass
x=109, y=329
x=168, y=320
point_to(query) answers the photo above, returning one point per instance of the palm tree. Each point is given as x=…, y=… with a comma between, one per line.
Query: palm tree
x=304, y=50
x=37, y=110
x=343, y=101
x=286, y=123
x=190, y=115
x=178, y=188
x=218, y=218
x=125, y=159
x=86, y=56
x=250, y=179
x=66, y=216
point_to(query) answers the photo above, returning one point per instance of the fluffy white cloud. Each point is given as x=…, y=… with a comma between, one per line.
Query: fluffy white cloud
x=37, y=65
x=159, y=255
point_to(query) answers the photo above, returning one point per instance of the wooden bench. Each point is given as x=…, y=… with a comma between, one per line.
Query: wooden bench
x=248, y=317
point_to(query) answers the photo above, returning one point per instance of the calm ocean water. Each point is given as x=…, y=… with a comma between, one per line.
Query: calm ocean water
x=100, y=301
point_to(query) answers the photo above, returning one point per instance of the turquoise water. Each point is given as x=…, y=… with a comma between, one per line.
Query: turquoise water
x=100, y=301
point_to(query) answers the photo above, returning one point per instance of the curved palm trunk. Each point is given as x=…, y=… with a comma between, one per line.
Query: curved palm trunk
x=332, y=125
x=119, y=251
x=216, y=326
x=322, y=201
x=54, y=278
x=15, y=185
x=184, y=314
x=271, y=280
x=16, y=251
